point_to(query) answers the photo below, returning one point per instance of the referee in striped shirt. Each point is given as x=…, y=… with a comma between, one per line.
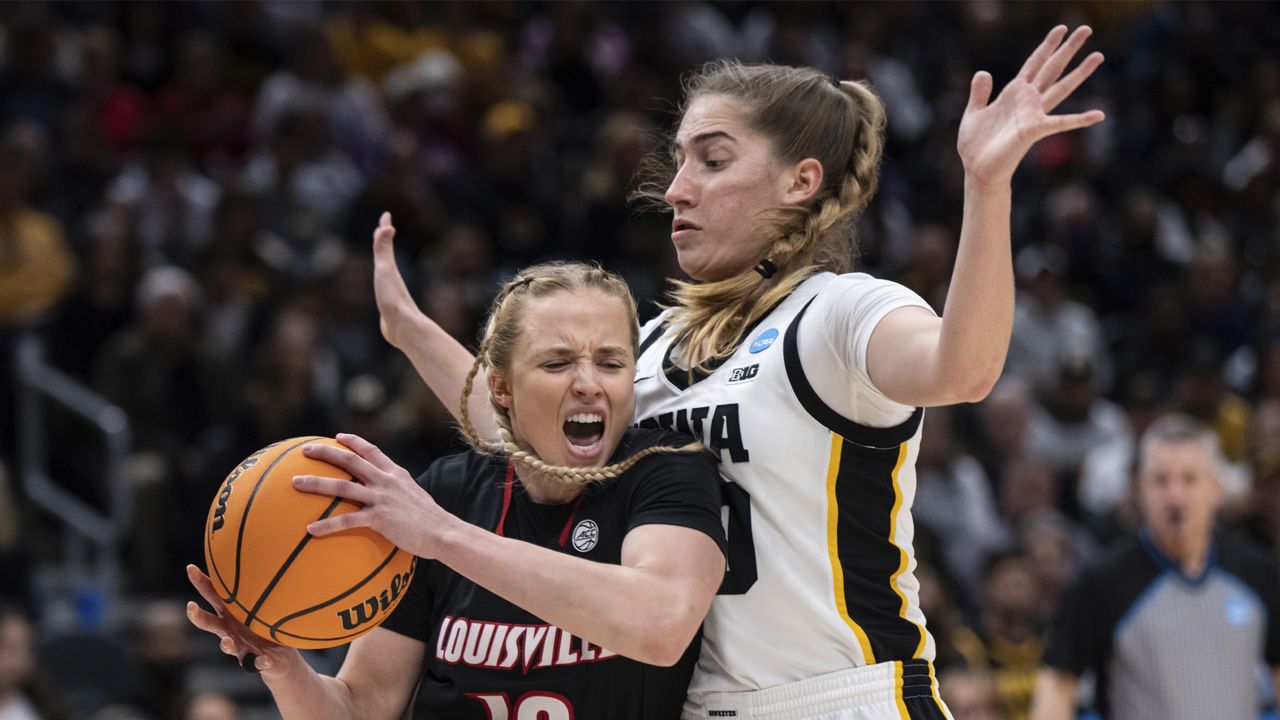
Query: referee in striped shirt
x=1178, y=621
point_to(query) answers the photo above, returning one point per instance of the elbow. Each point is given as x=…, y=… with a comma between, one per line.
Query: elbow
x=664, y=640
x=980, y=387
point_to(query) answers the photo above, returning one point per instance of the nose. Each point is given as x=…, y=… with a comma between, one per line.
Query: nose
x=681, y=191
x=586, y=381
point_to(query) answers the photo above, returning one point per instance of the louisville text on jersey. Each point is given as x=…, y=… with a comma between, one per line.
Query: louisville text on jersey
x=505, y=646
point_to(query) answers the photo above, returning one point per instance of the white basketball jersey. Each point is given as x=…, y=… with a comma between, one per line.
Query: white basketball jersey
x=820, y=476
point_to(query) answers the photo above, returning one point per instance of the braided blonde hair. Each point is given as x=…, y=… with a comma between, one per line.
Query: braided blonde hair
x=502, y=332
x=805, y=114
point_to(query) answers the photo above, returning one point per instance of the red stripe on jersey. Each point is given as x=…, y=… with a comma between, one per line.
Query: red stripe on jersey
x=506, y=497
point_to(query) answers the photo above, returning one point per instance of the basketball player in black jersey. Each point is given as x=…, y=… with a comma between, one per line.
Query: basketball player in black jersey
x=565, y=569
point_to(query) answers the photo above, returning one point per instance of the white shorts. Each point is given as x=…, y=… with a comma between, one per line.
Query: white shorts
x=885, y=691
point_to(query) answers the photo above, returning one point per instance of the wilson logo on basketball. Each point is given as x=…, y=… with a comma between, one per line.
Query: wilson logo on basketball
x=366, y=611
x=219, y=518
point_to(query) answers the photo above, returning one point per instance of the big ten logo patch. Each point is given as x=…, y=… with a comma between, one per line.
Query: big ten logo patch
x=743, y=374
x=586, y=535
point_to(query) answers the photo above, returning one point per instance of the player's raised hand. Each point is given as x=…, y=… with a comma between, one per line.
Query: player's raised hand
x=395, y=304
x=995, y=136
x=254, y=653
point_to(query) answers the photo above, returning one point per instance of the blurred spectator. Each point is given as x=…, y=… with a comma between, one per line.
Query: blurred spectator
x=211, y=115
x=30, y=83
x=169, y=202
x=352, y=115
x=1047, y=326
x=953, y=499
x=35, y=263
x=23, y=696
x=163, y=650
x=303, y=189
x=209, y=705
x=1002, y=432
x=971, y=695
x=177, y=399
x=1175, y=622
x=102, y=302
x=294, y=390
x=1075, y=421
x=1006, y=638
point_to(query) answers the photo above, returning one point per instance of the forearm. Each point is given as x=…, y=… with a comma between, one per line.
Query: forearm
x=978, y=319
x=443, y=363
x=628, y=610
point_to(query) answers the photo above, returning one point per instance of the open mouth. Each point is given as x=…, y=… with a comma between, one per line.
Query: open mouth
x=584, y=433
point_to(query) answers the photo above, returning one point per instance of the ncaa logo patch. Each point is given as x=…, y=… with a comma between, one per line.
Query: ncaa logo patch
x=585, y=536
x=764, y=340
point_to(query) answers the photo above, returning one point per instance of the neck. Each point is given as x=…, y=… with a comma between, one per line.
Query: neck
x=1190, y=553
x=544, y=491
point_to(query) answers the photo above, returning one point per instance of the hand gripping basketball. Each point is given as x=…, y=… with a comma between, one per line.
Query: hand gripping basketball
x=394, y=506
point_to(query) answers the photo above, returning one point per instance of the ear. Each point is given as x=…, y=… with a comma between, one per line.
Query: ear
x=803, y=182
x=499, y=389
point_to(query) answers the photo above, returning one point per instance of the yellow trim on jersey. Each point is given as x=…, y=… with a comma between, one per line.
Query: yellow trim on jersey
x=902, y=553
x=837, y=572
x=933, y=687
x=897, y=691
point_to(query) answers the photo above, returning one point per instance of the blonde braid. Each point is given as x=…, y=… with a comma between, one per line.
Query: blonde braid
x=464, y=407
x=579, y=476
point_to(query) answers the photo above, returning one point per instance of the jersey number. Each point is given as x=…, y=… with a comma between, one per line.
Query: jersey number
x=736, y=515
x=532, y=705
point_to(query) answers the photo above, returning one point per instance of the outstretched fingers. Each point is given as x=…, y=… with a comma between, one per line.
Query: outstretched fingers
x=204, y=586
x=1055, y=124
x=979, y=91
x=1061, y=57
x=1063, y=88
x=1031, y=68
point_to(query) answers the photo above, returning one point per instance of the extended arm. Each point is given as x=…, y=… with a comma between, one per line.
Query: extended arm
x=441, y=361
x=648, y=608
x=917, y=359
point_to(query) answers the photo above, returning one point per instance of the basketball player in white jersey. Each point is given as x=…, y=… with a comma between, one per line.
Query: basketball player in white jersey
x=809, y=384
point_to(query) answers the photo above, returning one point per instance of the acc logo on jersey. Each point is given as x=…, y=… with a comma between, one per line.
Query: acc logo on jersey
x=764, y=340
x=585, y=536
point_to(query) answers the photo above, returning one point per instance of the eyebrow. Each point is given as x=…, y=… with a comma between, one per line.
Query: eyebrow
x=563, y=351
x=705, y=137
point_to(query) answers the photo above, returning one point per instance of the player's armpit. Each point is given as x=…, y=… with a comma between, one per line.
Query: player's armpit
x=688, y=567
x=381, y=670
x=1055, y=697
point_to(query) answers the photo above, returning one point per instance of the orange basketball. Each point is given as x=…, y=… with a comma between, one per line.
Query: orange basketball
x=280, y=581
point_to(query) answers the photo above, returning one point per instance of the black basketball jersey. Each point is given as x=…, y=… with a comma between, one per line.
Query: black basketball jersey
x=488, y=659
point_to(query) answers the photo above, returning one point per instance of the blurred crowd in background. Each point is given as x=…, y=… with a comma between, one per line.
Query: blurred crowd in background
x=188, y=192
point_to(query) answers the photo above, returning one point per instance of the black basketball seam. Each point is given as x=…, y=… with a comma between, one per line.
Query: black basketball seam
x=275, y=627
x=244, y=517
x=284, y=567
